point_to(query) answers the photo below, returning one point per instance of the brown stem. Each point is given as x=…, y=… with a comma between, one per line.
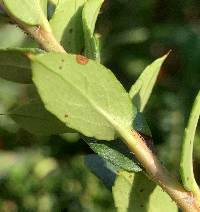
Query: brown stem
x=184, y=199
x=45, y=38
x=132, y=139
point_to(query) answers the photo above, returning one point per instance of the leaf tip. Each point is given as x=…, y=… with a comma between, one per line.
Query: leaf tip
x=167, y=54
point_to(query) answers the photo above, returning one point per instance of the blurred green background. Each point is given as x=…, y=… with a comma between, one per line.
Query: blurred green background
x=48, y=173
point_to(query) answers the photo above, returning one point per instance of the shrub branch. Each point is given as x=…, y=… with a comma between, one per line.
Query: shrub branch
x=184, y=199
x=159, y=174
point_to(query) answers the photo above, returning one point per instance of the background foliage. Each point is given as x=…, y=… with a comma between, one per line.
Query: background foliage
x=48, y=173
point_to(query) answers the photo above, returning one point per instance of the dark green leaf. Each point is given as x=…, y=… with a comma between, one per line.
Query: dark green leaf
x=15, y=66
x=140, y=124
x=33, y=117
x=115, y=152
x=102, y=168
x=55, y=2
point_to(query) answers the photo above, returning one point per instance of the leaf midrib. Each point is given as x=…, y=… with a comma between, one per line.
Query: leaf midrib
x=92, y=103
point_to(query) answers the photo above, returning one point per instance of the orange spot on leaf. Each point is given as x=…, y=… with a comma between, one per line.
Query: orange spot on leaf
x=80, y=59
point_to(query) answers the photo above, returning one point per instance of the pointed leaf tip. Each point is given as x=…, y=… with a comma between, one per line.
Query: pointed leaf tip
x=141, y=90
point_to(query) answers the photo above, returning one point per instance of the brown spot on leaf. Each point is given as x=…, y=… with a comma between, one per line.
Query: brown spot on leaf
x=66, y=115
x=141, y=190
x=62, y=60
x=80, y=59
x=60, y=67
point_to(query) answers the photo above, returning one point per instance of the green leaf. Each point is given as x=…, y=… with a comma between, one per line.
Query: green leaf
x=134, y=192
x=83, y=94
x=115, y=152
x=66, y=25
x=160, y=201
x=90, y=12
x=127, y=200
x=186, y=165
x=141, y=90
x=10, y=35
x=15, y=66
x=140, y=124
x=55, y=2
x=43, y=4
x=34, y=118
x=102, y=168
x=26, y=11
